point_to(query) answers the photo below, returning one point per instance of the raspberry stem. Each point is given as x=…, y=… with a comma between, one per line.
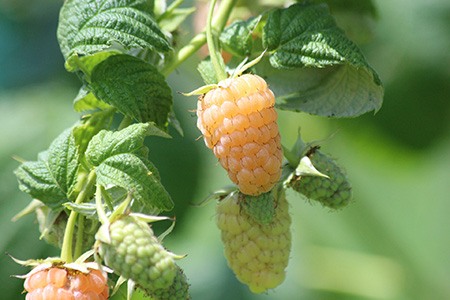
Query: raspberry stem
x=211, y=41
x=199, y=40
x=66, y=249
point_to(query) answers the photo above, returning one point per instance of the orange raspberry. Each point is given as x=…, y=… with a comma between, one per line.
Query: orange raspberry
x=59, y=283
x=239, y=123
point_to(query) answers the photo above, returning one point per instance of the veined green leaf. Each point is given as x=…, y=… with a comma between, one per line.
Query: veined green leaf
x=86, y=101
x=128, y=140
x=342, y=83
x=87, y=63
x=89, y=26
x=206, y=70
x=53, y=176
x=335, y=91
x=356, y=17
x=129, y=172
x=237, y=37
x=134, y=87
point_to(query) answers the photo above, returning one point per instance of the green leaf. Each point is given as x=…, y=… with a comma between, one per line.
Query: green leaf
x=35, y=179
x=342, y=83
x=87, y=63
x=89, y=26
x=170, y=20
x=52, y=177
x=86, y=101
x=129, y=140
x=206, y=70
x=134, y=87
x=129, y=172
x=337, y=91
x=237, y=37
x=89, y=126
x=356, y=17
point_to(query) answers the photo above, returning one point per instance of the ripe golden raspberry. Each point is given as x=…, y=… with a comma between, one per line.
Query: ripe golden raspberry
x=60, y=283
x=239, y=123
x=257, y=253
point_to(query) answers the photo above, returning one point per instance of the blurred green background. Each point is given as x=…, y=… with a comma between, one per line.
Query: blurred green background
x=392, y=242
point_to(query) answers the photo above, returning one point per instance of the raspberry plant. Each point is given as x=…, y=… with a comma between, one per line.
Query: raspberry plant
x=95, y=190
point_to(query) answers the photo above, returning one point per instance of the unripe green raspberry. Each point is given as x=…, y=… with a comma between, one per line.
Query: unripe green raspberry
x=334, y=192
x=239, y=123
x=257, y=253
x=52, y=229
x=135, y=253
x=179, y=290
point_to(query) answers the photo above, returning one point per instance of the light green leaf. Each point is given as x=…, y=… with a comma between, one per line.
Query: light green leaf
x=129, y=172
x=237, y=37
x=87, y=63
x=52, y=177
x=170, y=20
x=89, y=126
x=336, y=91
x=86, y=101
x=134, y=87
x=128, y=140
x=206, y=70
x=89, y=26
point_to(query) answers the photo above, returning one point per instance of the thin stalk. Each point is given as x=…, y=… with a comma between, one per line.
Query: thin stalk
x=199, y=40
x=99, y=204
x=79, y=238
x=213, y=51
x=66, y=249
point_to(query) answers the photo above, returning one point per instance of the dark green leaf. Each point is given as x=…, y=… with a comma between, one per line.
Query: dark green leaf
x=342, y=83
x=129, y=172
x=52, y=178
x=35, y=179
x=89, y=26
x=356, y=17
x=129, y=140
x=134, y=87
x=63, y=161
x=237, y=37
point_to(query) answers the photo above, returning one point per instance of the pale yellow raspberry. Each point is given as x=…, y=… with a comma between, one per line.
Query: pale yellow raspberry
x=239, y=123
x=257, y=253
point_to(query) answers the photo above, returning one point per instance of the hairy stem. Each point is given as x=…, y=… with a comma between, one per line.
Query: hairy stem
x=66, y=249
x=216, y=59
x=79, y=239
